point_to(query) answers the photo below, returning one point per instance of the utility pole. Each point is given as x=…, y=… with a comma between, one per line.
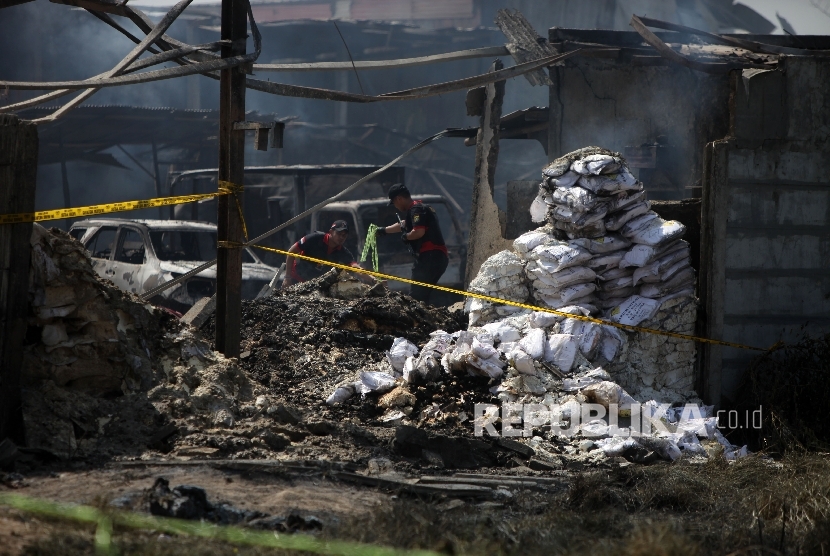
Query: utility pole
x=18, y=174
x=232, y=169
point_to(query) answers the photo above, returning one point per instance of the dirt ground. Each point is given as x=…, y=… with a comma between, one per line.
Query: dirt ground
x=753, y=506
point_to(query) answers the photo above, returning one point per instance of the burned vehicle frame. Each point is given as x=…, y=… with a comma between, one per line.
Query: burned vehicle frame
x=138, y=255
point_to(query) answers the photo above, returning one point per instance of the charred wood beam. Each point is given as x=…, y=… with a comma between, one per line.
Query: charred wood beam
x=668, y=53
x=18, y=172
x=115, y=8
x=487, y=154
x=298, y=91
x=752, y=46
x=409, y=94
x=524, y=44
x=485, y=52
x=230, y=227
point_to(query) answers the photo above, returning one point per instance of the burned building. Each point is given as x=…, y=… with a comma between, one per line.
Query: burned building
x=731, y=144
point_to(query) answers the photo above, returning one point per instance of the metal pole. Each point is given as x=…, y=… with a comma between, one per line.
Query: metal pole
x=64, y=179
x=231, y=168
x=156, y=177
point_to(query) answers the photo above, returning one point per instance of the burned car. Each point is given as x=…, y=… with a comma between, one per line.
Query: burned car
x=139, y=255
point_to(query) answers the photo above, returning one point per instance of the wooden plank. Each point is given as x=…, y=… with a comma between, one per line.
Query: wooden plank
x=540, y=480
x=232, y=169
x=524, y=43
x=18, y=172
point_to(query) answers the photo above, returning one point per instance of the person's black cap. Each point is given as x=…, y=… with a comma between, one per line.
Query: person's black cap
x=339, y=226
x=397, y=189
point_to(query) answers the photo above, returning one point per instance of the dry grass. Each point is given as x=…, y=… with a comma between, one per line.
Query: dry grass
x=751, y=506
x=792, y=385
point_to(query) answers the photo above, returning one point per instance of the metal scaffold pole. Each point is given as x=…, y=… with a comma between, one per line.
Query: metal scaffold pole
x=231, y=169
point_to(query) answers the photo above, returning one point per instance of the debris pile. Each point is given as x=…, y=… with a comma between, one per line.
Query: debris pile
x=83, y=333
x=602, y=253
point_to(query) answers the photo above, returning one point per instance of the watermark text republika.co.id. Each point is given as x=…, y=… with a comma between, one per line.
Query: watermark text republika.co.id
x=591, y=419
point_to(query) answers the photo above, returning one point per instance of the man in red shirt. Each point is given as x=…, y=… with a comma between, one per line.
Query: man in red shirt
x=423, y=234
x=327, y=246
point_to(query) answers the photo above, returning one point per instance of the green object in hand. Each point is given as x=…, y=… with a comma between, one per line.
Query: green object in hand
x=371, y=246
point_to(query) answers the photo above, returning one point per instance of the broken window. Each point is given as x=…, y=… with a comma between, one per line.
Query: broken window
x=77, y=233
x=182, y=245
x=101, y=244
x=132, y=248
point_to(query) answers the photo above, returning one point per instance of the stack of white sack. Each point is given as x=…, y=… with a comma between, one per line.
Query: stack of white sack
x=591, y=198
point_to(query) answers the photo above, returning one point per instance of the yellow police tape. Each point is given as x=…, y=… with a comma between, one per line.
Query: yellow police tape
x=499, y=300
x=225, y=188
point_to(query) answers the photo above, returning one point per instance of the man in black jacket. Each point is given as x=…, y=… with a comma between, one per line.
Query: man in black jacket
x=326, y=246
x=423, y=233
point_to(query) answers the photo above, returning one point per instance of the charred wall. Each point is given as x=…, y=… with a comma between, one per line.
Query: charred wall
x=766, y=218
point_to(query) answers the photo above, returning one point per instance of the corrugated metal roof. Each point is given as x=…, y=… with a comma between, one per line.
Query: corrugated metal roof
x=87, y=130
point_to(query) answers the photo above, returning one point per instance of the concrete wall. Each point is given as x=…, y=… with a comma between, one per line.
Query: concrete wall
x=614, y=103
x=767, y=218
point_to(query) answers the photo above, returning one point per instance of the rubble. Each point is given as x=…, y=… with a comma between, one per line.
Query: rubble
x=601, y=253
x=191, y=502
x=83, y=334
x=377, y=375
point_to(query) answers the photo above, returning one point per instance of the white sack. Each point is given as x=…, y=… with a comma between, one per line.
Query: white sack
x=596, y=229
x=492, y=368
x=538, y=209
x=656, y=232
x=610, y=183
x=533, y=343
x=566, y=277
x=502, y=332
x=615, y=274
x=621, y=218
x=605, y=262
x=565, y=180
x=594, y=164
x=577, y=291
x=561, y=351
x=624, y=199
x=634, y=310
x=521, y=361
x=576, y=198
x=602, y=245
x=560, y=256
x=682, y=281
x=341, y=394
x=503, y=263
x=529, y=241
x=578, y=218
x=400, y=350
x=374, y=381
x=541, y=319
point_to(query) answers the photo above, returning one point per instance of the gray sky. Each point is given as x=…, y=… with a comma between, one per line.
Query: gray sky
x=802, y=15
